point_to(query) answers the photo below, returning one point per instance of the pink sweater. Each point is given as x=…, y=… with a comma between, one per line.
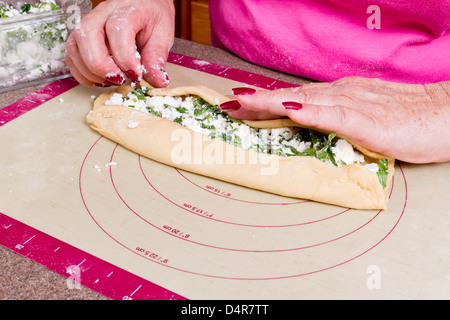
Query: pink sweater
x=329, y=39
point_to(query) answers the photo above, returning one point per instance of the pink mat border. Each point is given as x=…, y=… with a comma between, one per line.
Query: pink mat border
x=56, y=255
x=36, y=99
x=228, y=72
x=108, y=280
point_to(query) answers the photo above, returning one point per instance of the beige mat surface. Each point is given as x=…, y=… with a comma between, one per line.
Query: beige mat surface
x=206, y=239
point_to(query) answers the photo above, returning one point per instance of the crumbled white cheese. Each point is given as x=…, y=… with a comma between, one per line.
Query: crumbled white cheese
x=116, y=99
x=29, y=52
x=343, y=151
x=203, y=118
x=133, y=124
x=372, y=167
x=110, y=164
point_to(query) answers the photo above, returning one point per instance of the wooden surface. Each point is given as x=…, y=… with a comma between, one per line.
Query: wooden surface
x=96, y=2
x=200, y=23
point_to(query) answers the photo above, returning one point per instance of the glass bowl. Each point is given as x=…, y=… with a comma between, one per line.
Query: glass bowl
x=32, y=45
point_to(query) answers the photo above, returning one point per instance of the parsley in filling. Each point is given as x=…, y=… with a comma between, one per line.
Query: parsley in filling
x=197, y=115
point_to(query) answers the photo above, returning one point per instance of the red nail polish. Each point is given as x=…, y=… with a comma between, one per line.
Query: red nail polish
x=107, y=83
x=116, y=79
x=102, y=85
x=132, y=75
x=230, y=105
x=292, y=105
x=244, y=91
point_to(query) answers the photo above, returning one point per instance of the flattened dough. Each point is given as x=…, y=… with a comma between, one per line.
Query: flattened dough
x=302, y=177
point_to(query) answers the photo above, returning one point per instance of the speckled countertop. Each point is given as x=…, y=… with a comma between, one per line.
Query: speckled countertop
x=23, y=279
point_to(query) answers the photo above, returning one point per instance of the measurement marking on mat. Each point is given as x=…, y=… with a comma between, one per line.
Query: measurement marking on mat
x=135, y=290
x=81, y=263
x=28, y=240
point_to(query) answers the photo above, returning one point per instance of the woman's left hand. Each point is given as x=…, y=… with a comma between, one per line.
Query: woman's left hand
x=404, y=121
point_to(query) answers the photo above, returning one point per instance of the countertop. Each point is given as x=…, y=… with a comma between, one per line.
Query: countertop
x=23, y=279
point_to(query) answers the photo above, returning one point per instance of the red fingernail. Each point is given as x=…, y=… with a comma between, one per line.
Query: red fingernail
x=102, y=85
x=132, y=75
x=292, y=105
x=116, y=79
x=107, y=83
x=230, y=105
x=243, y=91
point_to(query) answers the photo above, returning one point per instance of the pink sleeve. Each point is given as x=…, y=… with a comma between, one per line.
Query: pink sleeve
x=328, y=40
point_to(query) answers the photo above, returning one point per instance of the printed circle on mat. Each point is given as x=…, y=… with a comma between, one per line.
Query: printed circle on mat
x=148, y=208
x=217, y=189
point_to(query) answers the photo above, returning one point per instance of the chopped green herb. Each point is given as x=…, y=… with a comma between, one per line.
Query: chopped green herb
x=383, y=165
x=154, y=112
x=178, y=120
x=181, y=109
x=25, y=8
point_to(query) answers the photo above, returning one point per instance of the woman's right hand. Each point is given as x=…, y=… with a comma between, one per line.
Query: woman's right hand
x=122, y=39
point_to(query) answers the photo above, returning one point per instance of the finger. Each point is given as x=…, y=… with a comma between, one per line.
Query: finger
x=234, y=109
x=261, y=104
x=76, y=73
x=77, y=66
x=350, y=123
x=121, y=29
x=155, y=50
x=270, y=100
x=154, y=63
x=90, y=38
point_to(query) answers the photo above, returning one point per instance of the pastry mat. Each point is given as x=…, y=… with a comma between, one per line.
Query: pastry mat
x=131, y=228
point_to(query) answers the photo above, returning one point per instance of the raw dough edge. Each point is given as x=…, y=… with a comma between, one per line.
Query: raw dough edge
x=350, y=186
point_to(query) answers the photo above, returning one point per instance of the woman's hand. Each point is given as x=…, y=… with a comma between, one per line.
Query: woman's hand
x=122, y=39
x=403, y=121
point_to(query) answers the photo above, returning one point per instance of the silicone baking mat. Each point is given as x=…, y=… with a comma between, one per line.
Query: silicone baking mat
x=131, y=228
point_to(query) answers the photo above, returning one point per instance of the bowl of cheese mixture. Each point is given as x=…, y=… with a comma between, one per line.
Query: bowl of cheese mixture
x=33, y=38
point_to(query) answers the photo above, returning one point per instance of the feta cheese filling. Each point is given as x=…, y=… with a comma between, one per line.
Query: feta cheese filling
x=194, y=113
